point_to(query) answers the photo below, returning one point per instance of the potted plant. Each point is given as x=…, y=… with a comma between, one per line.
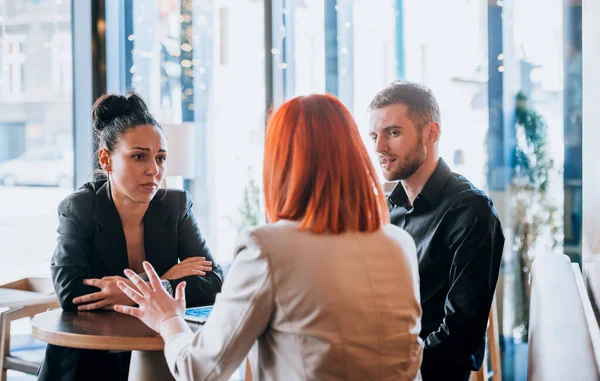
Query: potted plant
x=536, y=230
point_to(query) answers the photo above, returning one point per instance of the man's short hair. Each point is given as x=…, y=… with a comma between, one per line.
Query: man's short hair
x=422, y=105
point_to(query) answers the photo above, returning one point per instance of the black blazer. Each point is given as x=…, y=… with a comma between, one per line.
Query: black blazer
x=91, y=244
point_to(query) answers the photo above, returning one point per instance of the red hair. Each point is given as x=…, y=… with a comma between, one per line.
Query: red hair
x=317, y=170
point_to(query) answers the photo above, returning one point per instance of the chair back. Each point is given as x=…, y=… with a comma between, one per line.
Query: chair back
x=492, y=350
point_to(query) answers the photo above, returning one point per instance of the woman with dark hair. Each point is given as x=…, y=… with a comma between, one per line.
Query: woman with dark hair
x=328, y=290
x=120, y=222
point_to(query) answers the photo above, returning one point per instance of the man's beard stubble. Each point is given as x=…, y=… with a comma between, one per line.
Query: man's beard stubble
x=412, y=161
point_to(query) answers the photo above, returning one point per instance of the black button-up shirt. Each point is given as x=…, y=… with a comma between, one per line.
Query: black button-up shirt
x=459, y=243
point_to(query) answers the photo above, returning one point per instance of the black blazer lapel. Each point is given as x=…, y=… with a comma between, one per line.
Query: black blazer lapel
x=110, y=240
x=159, y=241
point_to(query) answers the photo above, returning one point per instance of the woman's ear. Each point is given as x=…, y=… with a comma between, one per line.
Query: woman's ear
x=104, y=159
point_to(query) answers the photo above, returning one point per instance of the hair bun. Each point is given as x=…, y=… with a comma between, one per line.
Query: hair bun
x=136, y=103
x=107, y=108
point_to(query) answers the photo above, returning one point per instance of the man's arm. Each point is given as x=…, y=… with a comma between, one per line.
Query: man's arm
x=476, y=239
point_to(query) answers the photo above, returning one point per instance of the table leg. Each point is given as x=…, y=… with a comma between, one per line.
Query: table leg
x=149, y=366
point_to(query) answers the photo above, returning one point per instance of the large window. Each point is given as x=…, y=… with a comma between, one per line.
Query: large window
x=36, y=145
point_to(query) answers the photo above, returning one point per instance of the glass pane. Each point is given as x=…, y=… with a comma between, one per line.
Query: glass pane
x=454, y=65
x=309, y=43
x=374, y=63
x=237, y=126
x=200, y=67
x=298, y=48
x=36, y=131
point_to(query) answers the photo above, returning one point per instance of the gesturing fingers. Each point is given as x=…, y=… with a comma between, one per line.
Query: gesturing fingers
x=152, y=276
x=180, y=293
x=131, y=293
x=138, y=282
x=127, y=310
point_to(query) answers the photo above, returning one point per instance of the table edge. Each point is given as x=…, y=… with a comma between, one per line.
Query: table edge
x=73, y=340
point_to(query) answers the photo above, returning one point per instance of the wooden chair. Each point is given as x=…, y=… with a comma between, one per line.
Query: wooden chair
x=7, y=361
x=492, y=350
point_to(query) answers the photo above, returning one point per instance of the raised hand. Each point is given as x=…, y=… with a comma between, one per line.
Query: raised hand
x=155, y=305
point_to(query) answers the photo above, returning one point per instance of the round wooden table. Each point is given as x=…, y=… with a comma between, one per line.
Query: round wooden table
x=107, y=330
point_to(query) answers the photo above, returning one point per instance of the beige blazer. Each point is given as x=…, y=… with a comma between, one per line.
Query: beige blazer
x=311, y=307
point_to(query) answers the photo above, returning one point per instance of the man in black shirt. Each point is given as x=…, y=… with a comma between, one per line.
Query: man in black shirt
x=456, y=229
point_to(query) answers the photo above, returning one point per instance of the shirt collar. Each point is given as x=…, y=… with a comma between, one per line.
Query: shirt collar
x=432, y=189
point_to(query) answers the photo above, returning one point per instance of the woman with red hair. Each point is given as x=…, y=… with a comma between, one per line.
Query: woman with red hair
x=327, y=290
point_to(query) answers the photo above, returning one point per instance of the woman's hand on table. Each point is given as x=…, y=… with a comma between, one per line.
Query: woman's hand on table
x=156, y=308
x=108, y=296
x=192, y=266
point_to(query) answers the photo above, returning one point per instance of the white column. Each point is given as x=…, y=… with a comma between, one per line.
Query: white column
x=83, y=142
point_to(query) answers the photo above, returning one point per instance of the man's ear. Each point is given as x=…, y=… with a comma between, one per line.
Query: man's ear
x=432, y=135
x=104, y=159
